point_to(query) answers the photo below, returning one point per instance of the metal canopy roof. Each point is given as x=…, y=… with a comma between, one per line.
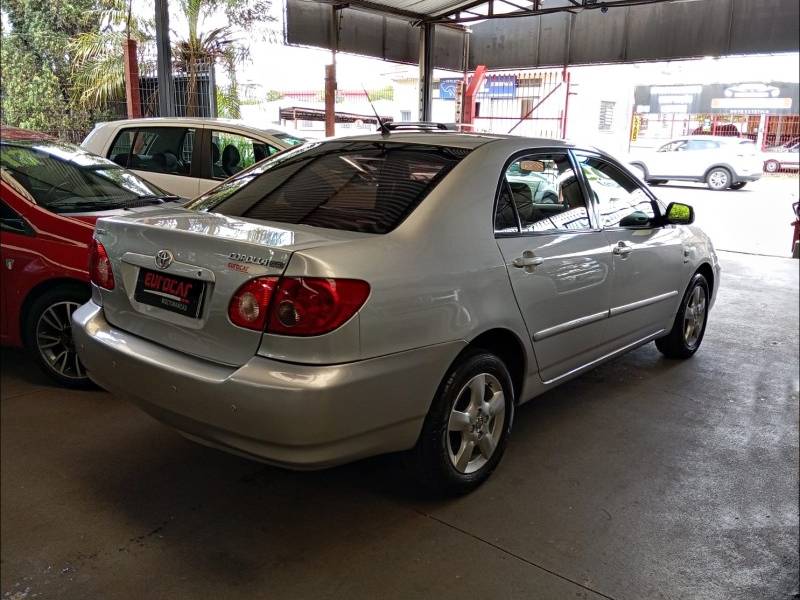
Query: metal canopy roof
x=467, y=11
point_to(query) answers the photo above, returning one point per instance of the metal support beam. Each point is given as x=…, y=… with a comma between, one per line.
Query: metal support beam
x=166, y=87
x=330, y=76
x=426, y=45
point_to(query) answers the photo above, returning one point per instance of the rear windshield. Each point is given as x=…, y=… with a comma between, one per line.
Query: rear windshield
x=368, y=187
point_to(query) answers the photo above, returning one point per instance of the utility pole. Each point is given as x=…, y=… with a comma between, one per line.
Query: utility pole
x=166, y=87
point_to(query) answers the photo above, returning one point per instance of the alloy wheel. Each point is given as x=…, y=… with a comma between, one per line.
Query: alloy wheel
x=718, y=179
x=476, y=423
x=54, y=340
x=694, y=317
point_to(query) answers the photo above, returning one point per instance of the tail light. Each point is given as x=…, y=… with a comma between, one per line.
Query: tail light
x=297, y=306
x=250, y=303
x=100, y=270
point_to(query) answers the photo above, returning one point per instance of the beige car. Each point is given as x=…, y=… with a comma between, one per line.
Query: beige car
x=186, y=156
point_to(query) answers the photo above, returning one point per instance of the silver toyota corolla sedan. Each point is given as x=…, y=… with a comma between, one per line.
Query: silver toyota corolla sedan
x=399, y=291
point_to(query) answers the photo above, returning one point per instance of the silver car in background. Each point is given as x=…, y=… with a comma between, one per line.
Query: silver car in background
x=390, y=292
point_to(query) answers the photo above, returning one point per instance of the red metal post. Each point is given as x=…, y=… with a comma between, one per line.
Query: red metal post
x=131, y=79
x=565, y=80
x=330, y=100
x=470, y=91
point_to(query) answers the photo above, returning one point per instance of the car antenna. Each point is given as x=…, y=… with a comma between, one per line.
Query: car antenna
x=381, y=125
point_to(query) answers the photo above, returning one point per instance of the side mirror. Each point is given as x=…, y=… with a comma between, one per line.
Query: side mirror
x=679, y=214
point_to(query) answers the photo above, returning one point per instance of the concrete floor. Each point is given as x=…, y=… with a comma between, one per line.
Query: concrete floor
x=643, y=479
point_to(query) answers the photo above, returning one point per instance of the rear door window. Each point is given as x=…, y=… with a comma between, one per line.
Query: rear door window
x=155, y=149
x=232, y=153
x=369, y=187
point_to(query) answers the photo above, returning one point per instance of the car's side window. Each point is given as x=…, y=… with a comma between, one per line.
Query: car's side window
x=155, y=149
x=702, y=145
x=620, y=200
x=543, y=191
x=10, y=221
x=231, y=153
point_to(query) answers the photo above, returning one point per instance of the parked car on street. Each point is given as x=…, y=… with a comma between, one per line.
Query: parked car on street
x=785, y=157
x=187, y=156
x=389, y=292
x=51, y=193
x=720, y=162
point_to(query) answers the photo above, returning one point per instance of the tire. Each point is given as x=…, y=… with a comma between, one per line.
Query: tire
x=772, y=166
x=739, y=185
x=718, y=179
x=656, y=181
x=681, y=342
x=48, y=334
x=450, y=457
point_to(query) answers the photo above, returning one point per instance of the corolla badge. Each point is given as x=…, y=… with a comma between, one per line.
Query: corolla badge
x=164, y=259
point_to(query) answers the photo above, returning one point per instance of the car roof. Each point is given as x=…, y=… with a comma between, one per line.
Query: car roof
x=15, y=134
x=197, y=121
x=456, y=139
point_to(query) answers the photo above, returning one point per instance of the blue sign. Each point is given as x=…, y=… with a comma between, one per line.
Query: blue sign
x=448, y=89
x=500, y=86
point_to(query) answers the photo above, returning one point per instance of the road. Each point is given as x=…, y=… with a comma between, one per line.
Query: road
x=755, y=219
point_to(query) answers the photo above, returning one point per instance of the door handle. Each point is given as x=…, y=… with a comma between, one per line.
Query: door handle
x=622, y=249
x=528, y=261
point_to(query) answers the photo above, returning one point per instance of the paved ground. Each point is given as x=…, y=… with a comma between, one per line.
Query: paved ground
x=755, y=219
x=643, y=479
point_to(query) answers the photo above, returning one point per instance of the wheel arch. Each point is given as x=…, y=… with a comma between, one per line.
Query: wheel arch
x=40, y=289
x=642, y=166
x=507, y=346
x=725, y=166
x=706, y=271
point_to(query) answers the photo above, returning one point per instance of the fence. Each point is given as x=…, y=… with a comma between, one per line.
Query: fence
x=652, y=130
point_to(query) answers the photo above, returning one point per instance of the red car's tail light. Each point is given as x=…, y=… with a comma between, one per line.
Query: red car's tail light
x=305, y=306
x=100, y=270
x=250, y=303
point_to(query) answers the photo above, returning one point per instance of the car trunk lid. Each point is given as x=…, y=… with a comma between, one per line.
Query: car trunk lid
x=177, y=270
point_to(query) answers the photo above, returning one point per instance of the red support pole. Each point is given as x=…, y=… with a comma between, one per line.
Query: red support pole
x=330, y=100
x=470, y=92
x=132, y=98
x=565, y=79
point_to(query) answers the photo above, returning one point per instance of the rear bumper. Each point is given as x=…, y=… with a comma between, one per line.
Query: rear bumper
x=298, y=416
x=737, y=178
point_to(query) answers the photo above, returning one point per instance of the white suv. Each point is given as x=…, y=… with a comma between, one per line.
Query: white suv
x=719, y=162
x=186, y=156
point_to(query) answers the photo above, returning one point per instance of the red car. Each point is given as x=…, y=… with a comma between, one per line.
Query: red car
x=51, y=193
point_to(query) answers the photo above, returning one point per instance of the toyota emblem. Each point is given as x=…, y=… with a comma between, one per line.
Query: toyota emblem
x=164, y=259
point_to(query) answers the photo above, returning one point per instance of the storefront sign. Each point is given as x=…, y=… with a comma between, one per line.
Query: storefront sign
x=735, y=98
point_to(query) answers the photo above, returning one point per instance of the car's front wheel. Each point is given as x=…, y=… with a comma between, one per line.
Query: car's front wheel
x=48, y=334
x=772, y=166
x=690, y=323
x=718, y=179
x=466, y=429
x=656, y=181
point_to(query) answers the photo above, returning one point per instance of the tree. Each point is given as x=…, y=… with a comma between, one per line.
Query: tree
x=98, y=72
x=35, y=87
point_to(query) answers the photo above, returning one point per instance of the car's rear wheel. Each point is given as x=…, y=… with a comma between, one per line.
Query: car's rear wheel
x=718, y=179
x=656, y=181
x=467, y=427
x=690, y=323
x=48, y=334
x=739, y=185
x=772, y=166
